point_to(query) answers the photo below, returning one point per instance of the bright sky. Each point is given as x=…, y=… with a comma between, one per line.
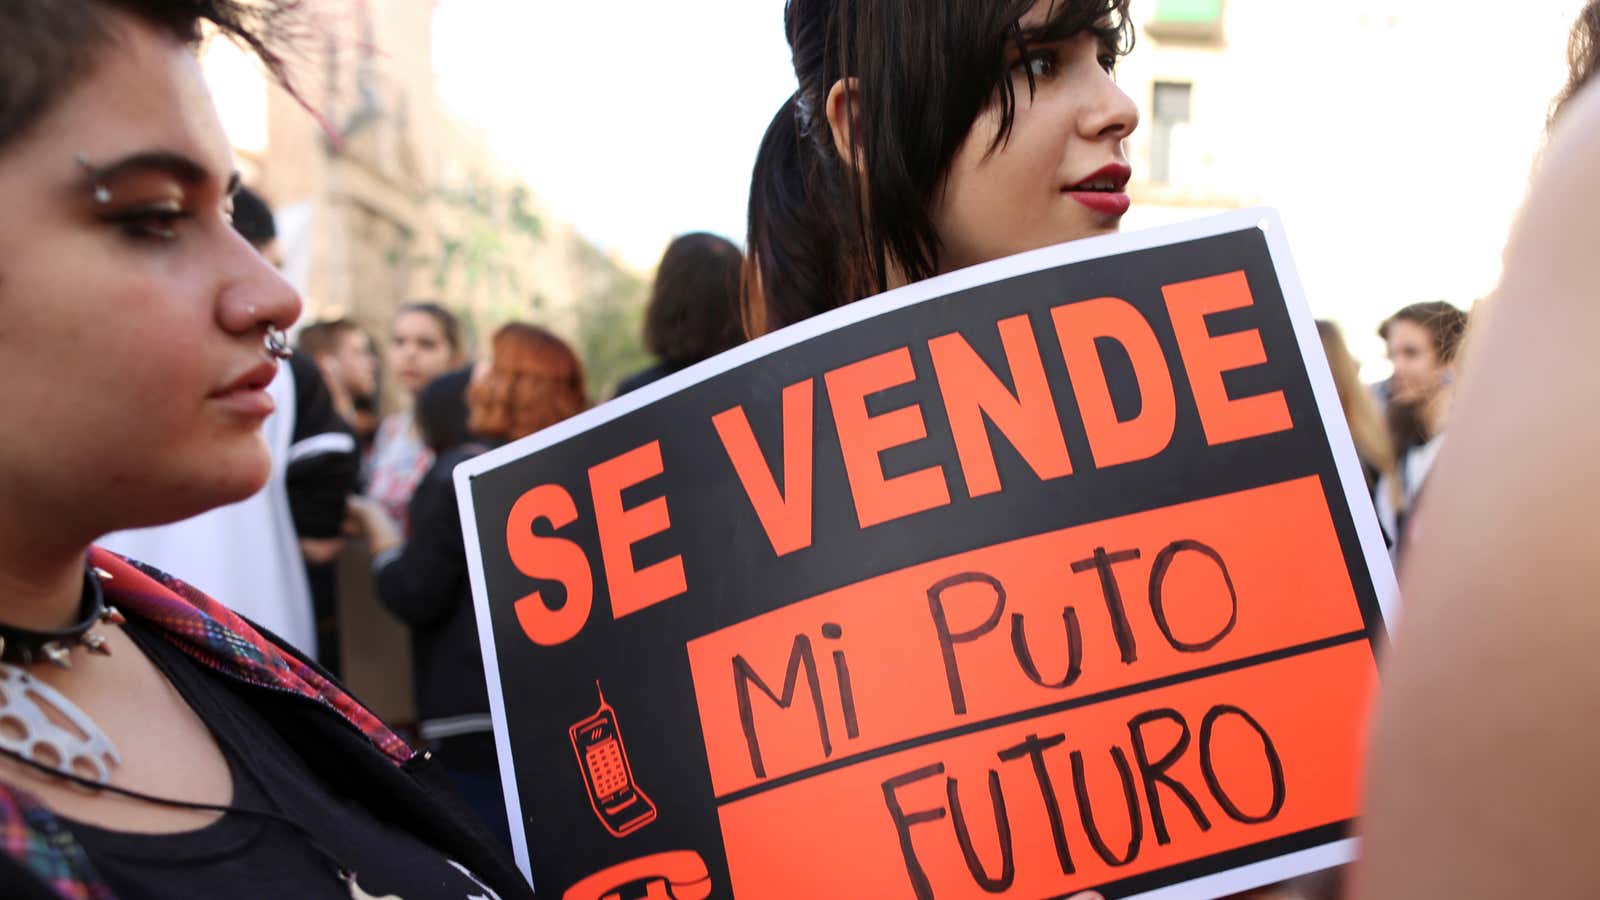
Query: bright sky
x=1397, y=155
x=634, y=121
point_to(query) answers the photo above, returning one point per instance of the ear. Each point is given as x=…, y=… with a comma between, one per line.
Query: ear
x=844, y=110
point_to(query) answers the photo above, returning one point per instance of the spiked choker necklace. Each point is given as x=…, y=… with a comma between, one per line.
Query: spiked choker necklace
x=21, y=646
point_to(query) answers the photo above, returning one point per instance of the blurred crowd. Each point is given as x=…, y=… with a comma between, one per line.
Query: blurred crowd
x=366, y=429
x=351, y=481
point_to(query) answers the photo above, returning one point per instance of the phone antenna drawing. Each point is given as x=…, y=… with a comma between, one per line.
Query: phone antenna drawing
x=607, y=776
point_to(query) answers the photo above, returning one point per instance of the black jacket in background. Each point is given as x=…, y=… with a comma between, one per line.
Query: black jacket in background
x=426, y=586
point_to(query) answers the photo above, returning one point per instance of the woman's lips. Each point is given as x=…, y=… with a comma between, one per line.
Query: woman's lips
x=1105, y=191
x=247, y=394
x=253, y=402
x=1108, y=203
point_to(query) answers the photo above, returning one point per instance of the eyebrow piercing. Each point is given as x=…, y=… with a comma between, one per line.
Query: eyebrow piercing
x=102, y=194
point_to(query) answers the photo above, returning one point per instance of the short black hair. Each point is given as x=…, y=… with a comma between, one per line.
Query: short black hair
x=822, y=235
x=46, y=46
x=694, y=303
x=252, y=218
x=441, y=411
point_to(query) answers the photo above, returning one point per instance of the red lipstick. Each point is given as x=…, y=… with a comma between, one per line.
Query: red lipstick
x=1104, y=191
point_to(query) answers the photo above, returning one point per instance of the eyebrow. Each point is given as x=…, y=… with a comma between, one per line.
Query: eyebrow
x=166, y=162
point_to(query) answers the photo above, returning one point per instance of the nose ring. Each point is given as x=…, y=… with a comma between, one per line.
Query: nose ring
x=278, y=343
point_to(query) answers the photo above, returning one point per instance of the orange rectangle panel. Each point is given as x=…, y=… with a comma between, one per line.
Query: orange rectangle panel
x=1017, y=626
x=1071, y=800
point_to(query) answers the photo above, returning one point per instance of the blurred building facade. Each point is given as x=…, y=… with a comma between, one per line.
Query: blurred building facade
x=1395, y=137
x=383, y=197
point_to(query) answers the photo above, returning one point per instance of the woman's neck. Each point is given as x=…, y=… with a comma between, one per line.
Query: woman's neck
x=1435, y=411
x=40, y=586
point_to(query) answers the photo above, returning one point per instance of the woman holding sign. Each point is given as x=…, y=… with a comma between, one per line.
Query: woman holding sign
x=153, y=743
x=937, y=138
x=924, y=138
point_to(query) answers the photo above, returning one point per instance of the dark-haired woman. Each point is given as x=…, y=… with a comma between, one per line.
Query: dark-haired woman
x=1422, y=340
x=138, y=335
x=424, y=344
x=928, y=137
x=533, y=380
x=694, y=306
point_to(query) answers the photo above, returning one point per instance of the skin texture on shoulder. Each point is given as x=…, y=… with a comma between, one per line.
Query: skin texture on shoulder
x=1481, y=779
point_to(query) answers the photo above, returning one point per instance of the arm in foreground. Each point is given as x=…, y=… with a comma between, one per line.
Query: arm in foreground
x=1481, y=780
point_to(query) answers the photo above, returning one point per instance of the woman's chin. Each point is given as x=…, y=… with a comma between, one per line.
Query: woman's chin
x=226, y=479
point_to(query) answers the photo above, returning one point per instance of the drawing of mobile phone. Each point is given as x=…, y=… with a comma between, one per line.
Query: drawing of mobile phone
x=617, y=800
x=674, y=875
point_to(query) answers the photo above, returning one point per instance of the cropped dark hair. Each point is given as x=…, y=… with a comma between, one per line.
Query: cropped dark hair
x=1583, y=55
x=46, y=46
x=448, y=323
x=441, y=411
x=1446, y=325
x=252, y=218
x=820, y=234
x=694, y=302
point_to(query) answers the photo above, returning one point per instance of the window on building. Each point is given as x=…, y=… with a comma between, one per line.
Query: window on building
x=1186, y=19
x=1170, y=111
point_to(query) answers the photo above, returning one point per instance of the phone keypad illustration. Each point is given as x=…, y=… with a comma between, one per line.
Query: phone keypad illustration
x=621, y=807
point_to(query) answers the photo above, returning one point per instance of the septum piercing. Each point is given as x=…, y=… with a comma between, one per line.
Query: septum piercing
x=278, y=343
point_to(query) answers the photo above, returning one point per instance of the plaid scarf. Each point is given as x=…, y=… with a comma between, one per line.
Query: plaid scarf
x=219, y=640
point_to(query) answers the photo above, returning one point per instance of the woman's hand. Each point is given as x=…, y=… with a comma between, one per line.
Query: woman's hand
x=373, y=522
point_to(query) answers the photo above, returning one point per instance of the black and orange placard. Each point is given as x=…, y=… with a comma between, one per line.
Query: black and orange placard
x=1052, y=574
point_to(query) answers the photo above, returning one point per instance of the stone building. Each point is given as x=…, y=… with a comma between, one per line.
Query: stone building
x=383, y=197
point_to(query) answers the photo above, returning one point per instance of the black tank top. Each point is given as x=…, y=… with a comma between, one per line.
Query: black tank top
x=243, y=856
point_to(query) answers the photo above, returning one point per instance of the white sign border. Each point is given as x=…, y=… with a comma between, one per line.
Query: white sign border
x=1328, y=406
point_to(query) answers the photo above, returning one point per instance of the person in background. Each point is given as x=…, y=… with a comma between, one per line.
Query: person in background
x=693, y=312
x=426, y=343
x=1367, y=428
x=1422, y=341
x=533, y=380
x=140, y=336
x=262, y=553
x=1481, y=779
x=344, y=355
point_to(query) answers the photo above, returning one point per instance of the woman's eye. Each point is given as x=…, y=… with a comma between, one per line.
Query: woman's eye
x=1039, y=65
x=152, y=224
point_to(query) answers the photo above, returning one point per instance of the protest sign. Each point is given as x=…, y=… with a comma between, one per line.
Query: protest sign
x=1054, y=573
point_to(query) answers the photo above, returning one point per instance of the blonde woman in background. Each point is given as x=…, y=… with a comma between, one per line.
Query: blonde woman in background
x=1367, y=428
